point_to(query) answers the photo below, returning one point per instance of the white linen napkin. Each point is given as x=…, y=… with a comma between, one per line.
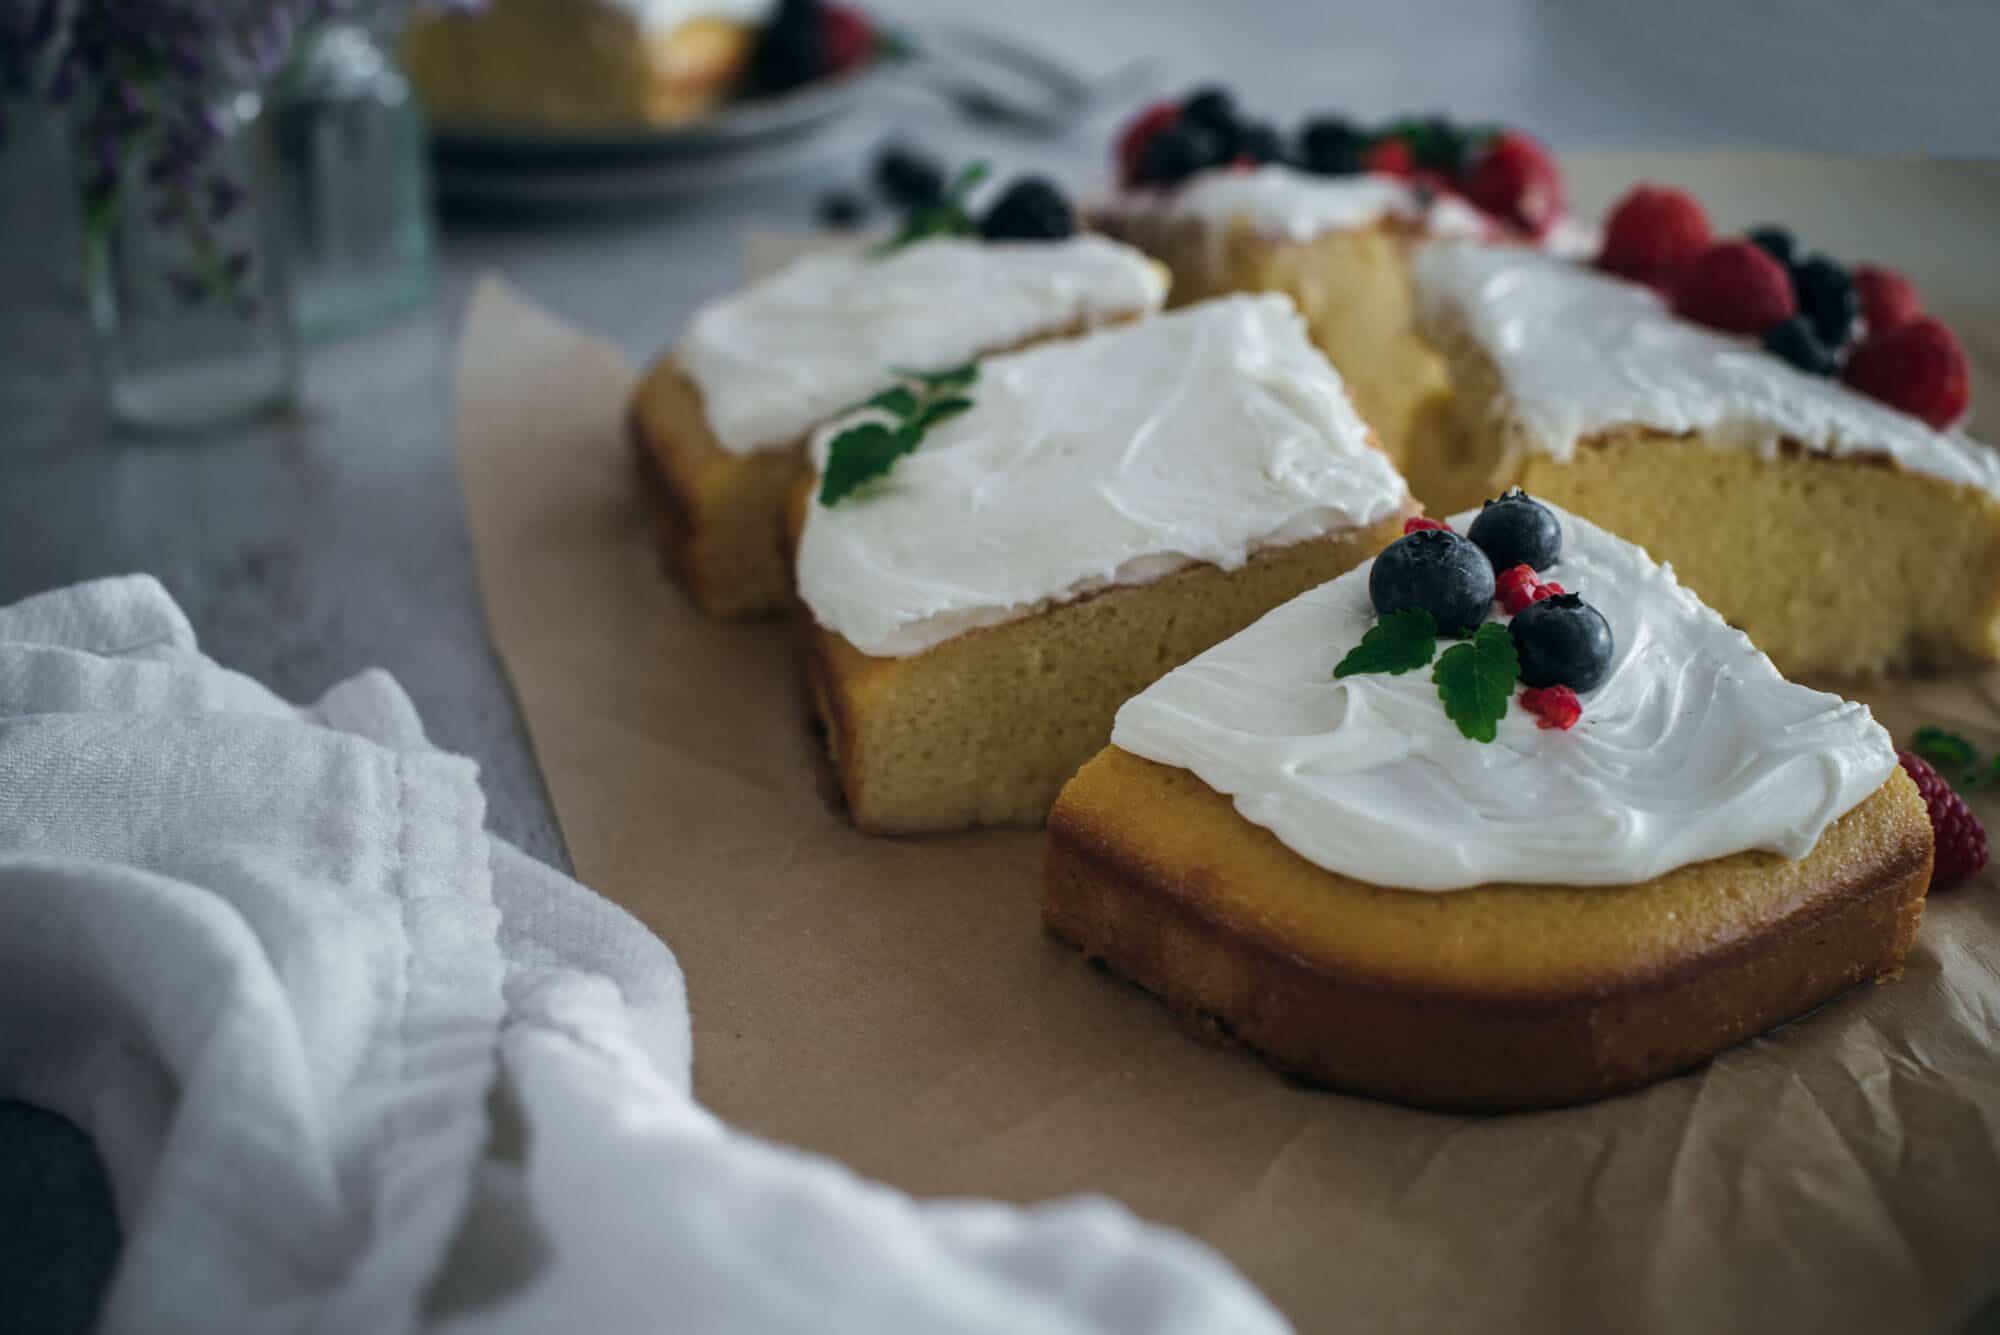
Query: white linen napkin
x=354, y=1065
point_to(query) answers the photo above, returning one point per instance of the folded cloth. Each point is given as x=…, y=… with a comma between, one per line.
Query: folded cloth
x=353, y=1064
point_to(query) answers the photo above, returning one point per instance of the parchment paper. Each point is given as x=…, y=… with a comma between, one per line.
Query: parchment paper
x=895, y=1003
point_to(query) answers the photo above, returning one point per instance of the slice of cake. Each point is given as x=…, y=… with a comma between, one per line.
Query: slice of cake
x=582, y=64
x=1330, y=223
x=1355, y=848
x=996, y=558
x=1843, y=534
x=721, y=423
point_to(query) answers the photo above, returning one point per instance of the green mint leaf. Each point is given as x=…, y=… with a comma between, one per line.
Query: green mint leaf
x=1949, y=754
x=1475, y=680
x=952, y=377
x=943, y=410
x=970, y=175
x=859, y=455
x=1397, y=643
x=898, y=402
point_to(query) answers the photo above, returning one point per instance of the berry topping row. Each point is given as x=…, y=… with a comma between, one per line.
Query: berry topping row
x=1434, y=582
x=1504, y=173
x=1865, y=326
x=1031, y=208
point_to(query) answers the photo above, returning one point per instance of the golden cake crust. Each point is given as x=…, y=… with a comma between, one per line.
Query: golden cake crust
x=718, y=516
x=1495, y=997
x=986, y=727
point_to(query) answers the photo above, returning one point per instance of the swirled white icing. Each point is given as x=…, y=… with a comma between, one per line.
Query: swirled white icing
x=1693, y=748
x=1199, y=436
x=786, y=353
x=1579, y=352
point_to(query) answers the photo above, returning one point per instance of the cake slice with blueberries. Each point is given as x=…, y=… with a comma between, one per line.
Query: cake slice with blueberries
x=720, y=423
x=1789, y=434
x=992, y=558
x=1504, y=818
x=1326, y=214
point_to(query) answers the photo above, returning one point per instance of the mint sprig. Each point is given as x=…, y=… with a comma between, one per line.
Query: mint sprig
x=1475, y=681
x=1397, y=643
x=868, y=450
x=948, y=217
x=1955, y=758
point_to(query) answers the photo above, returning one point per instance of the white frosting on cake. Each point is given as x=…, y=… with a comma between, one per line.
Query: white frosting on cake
x=1693, y=748
x=1579, y=352
x=1200, y=436
x=783, y=355
x=664, y=16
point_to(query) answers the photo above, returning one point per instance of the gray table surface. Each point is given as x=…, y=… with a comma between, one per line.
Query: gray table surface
x=306, y=549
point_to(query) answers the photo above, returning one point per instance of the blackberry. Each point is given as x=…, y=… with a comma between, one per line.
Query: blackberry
x=841, y=209
x=1438, y=571
x=1258, y=142
x=1517, y=530
x=1827, y=298
x=1330, y=146
x=1795, y=341
x=1032, y=209
x=1775, y=242
x=908, y=179
x=1210, y=108
x=1562, y=641
x=791, y=51
x=1435, y=142
x=1176, y=153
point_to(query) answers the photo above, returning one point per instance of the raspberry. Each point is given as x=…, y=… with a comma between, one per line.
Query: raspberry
x=1652, y=233
x=1554, y=707
x=1391, y=157
x=846, y=37
x=1132, y=143
x=1416, y=523
x=1887, y=298
x=1519, y=586
x=1961, y=840
x=1917, y=368
x=1736, y=287
x=1516, y=180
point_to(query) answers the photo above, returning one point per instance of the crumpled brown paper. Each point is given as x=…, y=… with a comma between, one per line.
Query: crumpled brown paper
x=895, y=1003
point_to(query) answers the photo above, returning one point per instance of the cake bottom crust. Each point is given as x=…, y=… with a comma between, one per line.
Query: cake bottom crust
x=1488, y=999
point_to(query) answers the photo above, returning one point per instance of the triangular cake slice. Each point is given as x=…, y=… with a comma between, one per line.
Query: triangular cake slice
x=1615, y=887
x=721, y=423
x=1077, y=519
x=1844, y=536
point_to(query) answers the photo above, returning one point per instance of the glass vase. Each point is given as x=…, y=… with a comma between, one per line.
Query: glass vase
x=187, y=287
x=350, y=140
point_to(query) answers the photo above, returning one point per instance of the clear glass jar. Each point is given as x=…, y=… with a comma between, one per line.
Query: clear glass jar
x=350, y=143
x=193, y=322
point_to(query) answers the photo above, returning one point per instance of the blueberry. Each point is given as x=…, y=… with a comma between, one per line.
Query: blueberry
x=1211, y=109
x=1517, y=530
x=1775, y=242
x=1032, y=209
x=1562, y=641
x=1827, y=298
x=841, y=209
x=1795, y=341
x=1176, y=153
x=1331, y=147
x=907, y=178
x=1258, y=142
x=791, y=50
x=1438, y=571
